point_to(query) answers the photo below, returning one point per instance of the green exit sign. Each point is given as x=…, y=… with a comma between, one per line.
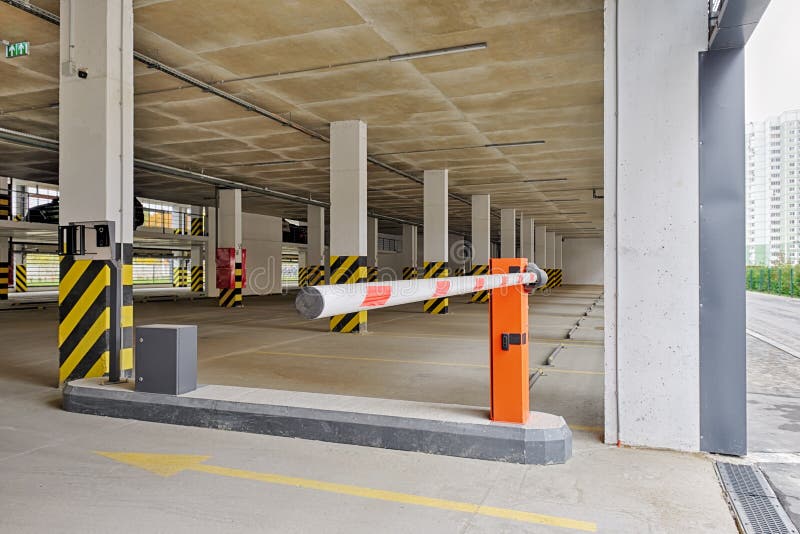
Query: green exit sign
x=18, y=49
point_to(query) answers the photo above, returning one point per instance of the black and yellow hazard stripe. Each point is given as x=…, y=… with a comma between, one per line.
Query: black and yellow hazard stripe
x=232, y=297
x=17, y=218
x=410, y=273
x=196, y=227
x=349, y=270
x=315, y=275
x=180, y=278
x=554, y=278
x=5, y=206
x=126, y=313
x=21, y=278
x=84, y=298
x=372, y=274
x=302, y=276
x=439, y=305
x=197, y=279
x=459, y=272
x=482, y=295
x=4, y=280
x=179, y=231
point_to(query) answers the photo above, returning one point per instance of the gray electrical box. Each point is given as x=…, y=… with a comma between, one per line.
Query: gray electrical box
x=166, y=358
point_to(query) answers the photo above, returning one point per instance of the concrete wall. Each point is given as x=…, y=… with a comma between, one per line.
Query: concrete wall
x=651, y=191
x=583, y=260
x=262, y=237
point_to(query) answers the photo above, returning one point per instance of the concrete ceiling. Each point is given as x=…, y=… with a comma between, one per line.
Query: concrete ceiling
x=541, y=78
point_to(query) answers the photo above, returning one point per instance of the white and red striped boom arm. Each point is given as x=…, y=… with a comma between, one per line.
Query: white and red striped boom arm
x=314, y=302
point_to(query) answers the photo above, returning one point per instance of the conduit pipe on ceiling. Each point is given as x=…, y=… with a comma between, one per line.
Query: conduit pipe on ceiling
x=35, y=141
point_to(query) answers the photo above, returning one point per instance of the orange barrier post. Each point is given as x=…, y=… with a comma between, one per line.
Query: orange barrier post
x=508, y=330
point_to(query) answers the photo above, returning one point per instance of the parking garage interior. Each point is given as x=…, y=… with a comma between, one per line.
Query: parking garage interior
x=245, y=152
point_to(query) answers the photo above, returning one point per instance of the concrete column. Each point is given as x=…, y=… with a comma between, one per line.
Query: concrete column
x=96, y=181
x=540, y=246
x=558, y=256
x=197, y=281
x=372, y=249
x=508, y=233
x=550, y=244
x=527, y=238
x=6, y=276
x=410, y=245
x=348, y=227
x=436, y=235
x=651, y=210
x=211, y=253
x=313, y=272
x=481, y=228
x=5, y=198
x=229, y=235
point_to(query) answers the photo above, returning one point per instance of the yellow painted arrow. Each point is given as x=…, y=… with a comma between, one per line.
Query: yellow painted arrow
x=167, y=465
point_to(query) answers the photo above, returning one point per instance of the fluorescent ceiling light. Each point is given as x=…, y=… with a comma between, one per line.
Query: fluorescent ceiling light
x=438, y=52
x=546, y=180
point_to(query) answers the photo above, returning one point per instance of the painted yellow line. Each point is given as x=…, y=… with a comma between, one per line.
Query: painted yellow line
x=172, y=464
x=419, y=362
x=585, y=428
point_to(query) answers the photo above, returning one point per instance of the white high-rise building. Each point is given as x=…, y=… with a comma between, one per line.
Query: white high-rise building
x=773, y=198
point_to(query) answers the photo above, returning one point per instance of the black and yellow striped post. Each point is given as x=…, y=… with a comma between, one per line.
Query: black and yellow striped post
x=232, y=297
x=349, y=270
x=196, y=227
x=302, y=276
x=553, y=278
x=85, y=298
x=410, y=273
x=459, y=272
x=483, y=295
x=126, y=313
x=372, y=274
x=435, y=269
x=4, y=280
x=180, y=276
x=20, y=278
x=198, y=279
x=5, y=205
x=315, y=275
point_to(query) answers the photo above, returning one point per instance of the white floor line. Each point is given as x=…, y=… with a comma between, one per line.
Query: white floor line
x=776, y=344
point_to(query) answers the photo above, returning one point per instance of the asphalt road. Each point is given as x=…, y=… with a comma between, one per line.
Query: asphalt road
x=773, y=393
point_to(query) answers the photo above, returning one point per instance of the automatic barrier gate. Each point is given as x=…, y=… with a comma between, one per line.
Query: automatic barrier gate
x=510, y=281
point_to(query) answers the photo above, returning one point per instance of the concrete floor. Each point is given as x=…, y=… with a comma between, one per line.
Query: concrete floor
x=51, y=480
x=773, y=394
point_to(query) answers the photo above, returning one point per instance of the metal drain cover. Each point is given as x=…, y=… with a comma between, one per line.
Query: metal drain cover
x=756, y=506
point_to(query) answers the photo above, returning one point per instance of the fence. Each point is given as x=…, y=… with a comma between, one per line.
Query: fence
x=784, y=280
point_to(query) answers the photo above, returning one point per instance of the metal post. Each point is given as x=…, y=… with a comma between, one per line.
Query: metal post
x=791, y=281
x=780, y=280
x=769, y=280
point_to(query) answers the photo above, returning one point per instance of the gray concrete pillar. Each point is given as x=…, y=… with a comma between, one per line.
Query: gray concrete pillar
x=481, y=228
x=96, y=182
x=211, y=253
x=372, y=249
x=315, y=252
x=540, y=246
x=229, y=236
x=508, y=233
x=558, y=252
x=550, y=244
x=527, y=236
x=436, y=235
x=348, y=225
x=410, y=246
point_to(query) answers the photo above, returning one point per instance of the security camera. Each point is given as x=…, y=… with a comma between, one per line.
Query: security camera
x=83, y=73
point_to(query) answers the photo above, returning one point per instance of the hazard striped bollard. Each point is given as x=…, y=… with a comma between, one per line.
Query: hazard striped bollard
x=21, y=279
x=437, y=305
x=232, y=297
x=410, y=273
x=483, y=295
x=197, y=279
x=315, y=275
x=4, y=274
x=347, y=271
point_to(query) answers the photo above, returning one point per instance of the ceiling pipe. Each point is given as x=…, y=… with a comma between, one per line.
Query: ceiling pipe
x=209, y=88
x=35, y=141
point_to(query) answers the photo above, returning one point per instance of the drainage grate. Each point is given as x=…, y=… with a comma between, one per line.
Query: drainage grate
x=753, y=500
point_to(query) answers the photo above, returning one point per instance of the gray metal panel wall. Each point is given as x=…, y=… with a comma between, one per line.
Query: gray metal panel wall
x=723, y=387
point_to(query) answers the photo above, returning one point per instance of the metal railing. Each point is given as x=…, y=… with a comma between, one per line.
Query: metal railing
x=781, y=280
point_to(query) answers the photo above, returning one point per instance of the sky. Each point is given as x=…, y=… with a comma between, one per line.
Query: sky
x=772, y=62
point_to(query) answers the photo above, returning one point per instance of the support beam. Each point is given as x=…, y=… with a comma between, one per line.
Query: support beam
x=96, y=186
x=550, y=244
x=527, y=236
x=481, y=243
x=372, y=249
x=559, y=263
x=540, y=246
x=348, y=230
x=436, y=236
x=410, y=248
x=313, y=272
x=229, y=236
x=508, y=233
x=211, y=253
